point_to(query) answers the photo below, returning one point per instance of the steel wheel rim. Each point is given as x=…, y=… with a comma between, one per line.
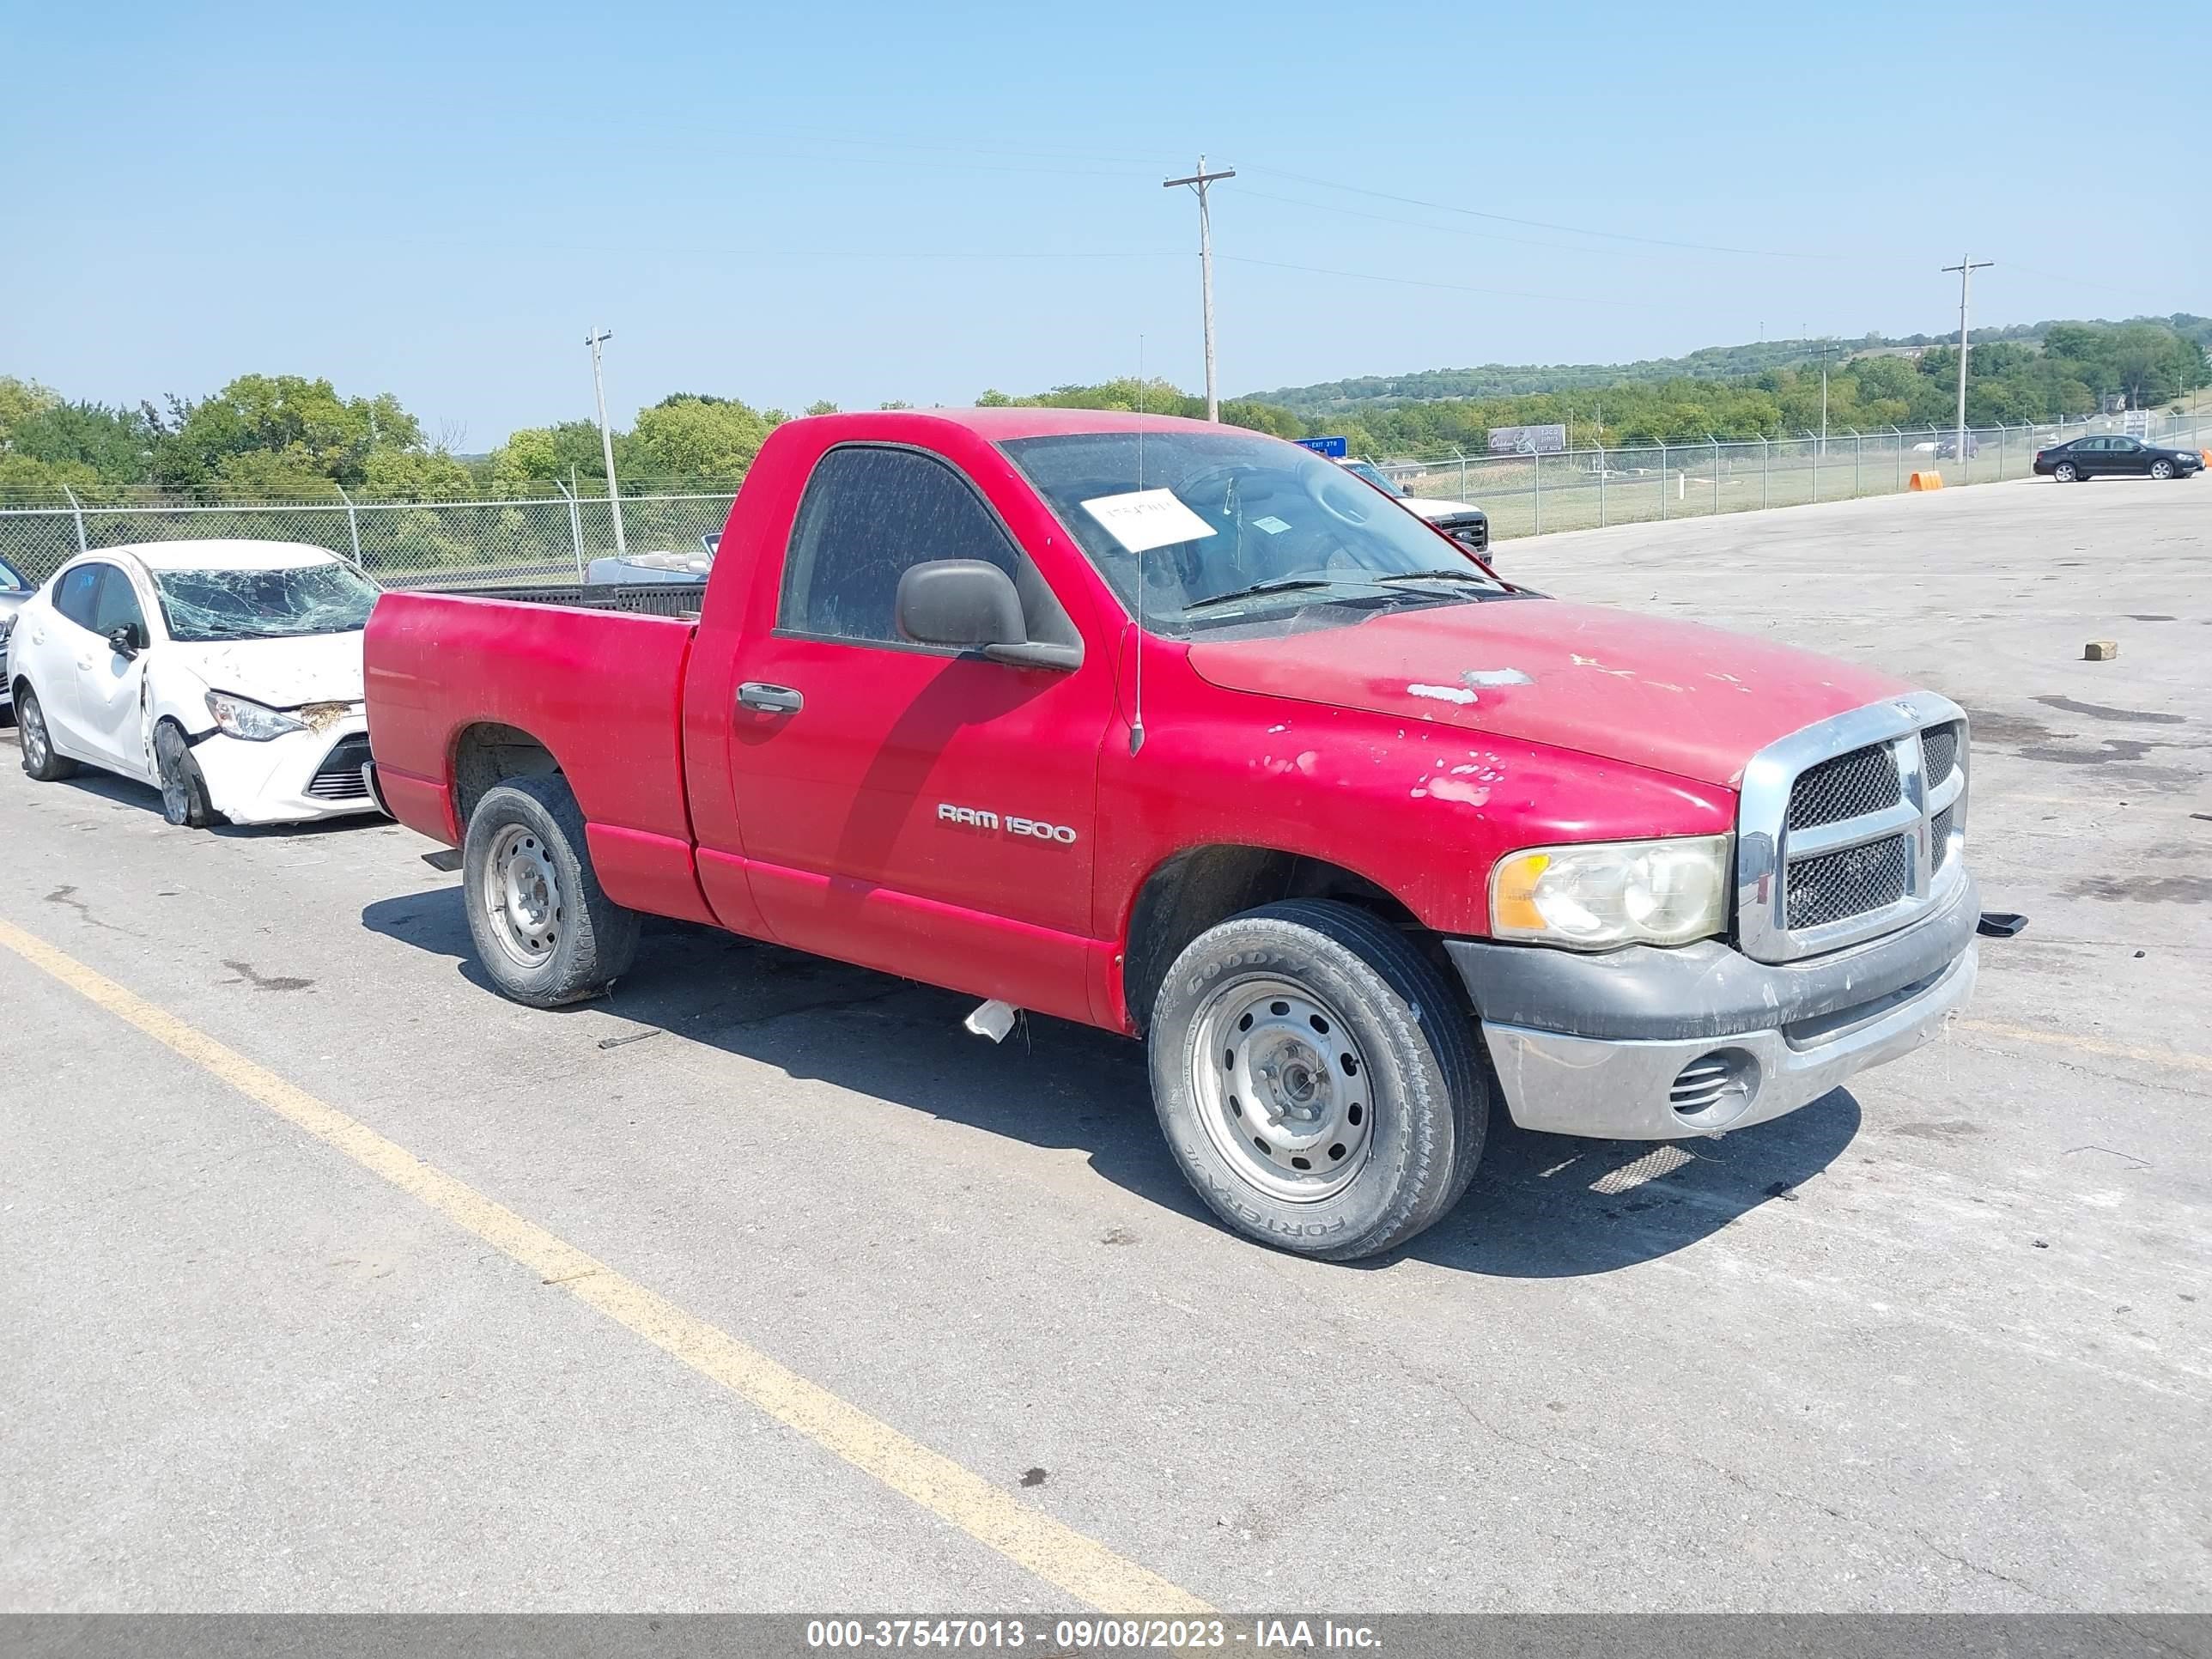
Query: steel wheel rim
x=1280, y=1083
x=522, y=895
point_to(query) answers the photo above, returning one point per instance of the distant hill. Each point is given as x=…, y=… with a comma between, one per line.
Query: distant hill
x=1708, y=363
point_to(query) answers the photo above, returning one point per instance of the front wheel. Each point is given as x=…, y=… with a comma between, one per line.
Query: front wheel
x=544, y=930
x=39, y=760
x=184, y=788
x=1316, y=1079
x=2064, y=472
x=2162, y=469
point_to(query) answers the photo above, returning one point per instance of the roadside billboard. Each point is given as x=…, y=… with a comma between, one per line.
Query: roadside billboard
x=1527, y=439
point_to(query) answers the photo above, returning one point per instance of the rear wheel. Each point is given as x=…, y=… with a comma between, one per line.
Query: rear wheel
x=1316, y=1079
x=183, y=786
x=544, y=930
x=2064, y=472
x=39, y=760
x=2162, y=469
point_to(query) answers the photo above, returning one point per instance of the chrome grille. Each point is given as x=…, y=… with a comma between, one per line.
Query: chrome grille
x=1848, y=787
x=1844, y=827
x=1850, y=882
x=1939, y=749
x=338, y=778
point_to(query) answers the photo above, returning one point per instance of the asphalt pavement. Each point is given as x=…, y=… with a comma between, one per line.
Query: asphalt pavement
x=874, y=1315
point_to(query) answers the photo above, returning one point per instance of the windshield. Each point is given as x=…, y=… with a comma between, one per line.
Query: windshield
x=1255, y=513
x=10, y=577
x=204, y=606
x=1367, y=470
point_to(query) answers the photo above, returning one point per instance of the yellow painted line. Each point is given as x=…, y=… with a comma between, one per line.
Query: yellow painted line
x=1062, y=1556
x=2177, y=1057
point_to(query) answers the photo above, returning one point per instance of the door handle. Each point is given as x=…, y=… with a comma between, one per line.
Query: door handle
x=769, y=699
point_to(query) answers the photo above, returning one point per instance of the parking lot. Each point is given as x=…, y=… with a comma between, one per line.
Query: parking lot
x=855, y=1295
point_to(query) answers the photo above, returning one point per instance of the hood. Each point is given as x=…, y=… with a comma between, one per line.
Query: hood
x=1673, y=696
x=281, y=673
x=1427, y=506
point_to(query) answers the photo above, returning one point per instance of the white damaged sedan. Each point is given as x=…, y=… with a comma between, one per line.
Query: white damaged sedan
x=226, y=674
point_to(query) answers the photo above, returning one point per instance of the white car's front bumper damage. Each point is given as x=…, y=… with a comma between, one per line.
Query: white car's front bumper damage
x=297, y=778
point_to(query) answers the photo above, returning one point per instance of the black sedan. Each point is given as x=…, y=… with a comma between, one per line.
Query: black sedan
x=2117, y=458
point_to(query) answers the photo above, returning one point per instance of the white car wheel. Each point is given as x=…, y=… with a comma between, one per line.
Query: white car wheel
x=39, y=760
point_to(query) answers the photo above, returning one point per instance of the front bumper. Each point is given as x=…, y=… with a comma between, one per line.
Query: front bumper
x=1649, y=1044
x=276, y=781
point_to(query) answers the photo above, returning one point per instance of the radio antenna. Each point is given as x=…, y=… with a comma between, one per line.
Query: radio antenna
x=1137, y=697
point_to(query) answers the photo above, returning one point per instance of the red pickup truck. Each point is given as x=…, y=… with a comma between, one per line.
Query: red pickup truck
x=1183, y=732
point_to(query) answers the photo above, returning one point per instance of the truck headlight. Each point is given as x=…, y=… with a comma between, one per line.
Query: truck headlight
x=240, y=717
x=1602, y=894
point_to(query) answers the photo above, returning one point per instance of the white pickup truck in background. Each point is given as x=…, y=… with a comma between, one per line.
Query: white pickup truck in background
x=1461, y=520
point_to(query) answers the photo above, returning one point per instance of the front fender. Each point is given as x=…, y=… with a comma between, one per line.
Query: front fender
x=1422, y=808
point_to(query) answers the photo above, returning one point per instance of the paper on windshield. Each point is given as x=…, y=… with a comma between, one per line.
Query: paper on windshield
x=1146, y=519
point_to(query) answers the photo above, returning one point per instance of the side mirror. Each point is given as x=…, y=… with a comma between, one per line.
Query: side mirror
x=125, y=640
x=971, y=604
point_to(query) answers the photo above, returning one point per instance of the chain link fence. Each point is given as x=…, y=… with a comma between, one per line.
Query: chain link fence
x=1528, y=494
x=400, y=543
x=541, y=540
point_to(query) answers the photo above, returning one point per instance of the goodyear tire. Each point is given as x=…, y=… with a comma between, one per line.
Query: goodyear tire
x=544, y=930
x=1317, y=1080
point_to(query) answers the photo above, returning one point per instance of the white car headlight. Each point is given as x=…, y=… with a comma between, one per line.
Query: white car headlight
x=1603, y=893
x=240, y=717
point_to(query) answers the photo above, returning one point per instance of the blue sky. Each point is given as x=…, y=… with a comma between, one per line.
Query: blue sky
x=869, y=201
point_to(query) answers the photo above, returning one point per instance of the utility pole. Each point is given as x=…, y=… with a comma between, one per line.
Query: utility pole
x=1198, y=181
x=1824, y=351
x=595, y=339
x=1966, y=268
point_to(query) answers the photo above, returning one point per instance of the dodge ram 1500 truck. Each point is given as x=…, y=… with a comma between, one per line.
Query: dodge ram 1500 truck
x=1180, y=731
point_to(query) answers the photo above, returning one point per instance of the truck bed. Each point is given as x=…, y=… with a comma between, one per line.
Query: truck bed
x=680, y=600
x=460, y=683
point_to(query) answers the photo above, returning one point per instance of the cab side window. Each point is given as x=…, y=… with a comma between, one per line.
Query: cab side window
x=115, y=605
x=870, y=514
x=77, y=596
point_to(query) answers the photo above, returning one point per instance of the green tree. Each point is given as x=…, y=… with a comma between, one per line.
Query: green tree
x=292, y=473
x=416, y=475
x=697, y=437
x=533, y=458
x=18, y=401
x=116, y=444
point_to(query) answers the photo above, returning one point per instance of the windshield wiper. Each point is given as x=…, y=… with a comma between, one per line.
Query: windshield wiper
x=1280, y=585
x=1439, y=576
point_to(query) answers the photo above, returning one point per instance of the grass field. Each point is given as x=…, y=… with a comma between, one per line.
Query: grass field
x=1528, y=494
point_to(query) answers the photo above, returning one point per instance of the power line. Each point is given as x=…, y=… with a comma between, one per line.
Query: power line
x=1416, y=282
x=1540, y=224
x=1418, y=224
